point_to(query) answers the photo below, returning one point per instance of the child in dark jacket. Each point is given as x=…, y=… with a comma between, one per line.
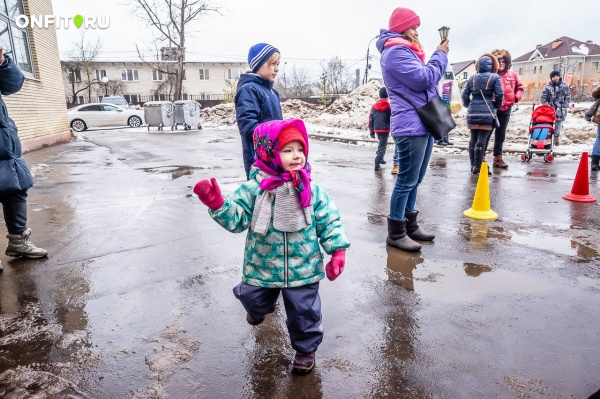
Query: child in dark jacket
x=379, y=123
x=256, y=101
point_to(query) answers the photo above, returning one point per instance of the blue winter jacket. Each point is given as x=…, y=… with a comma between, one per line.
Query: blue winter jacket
x=478, y=114
x=14, y=173
x=404, y=72
x=256, y=101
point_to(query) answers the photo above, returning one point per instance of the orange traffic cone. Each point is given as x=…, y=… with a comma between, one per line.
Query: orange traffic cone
x=581, y=186
x=481, y=202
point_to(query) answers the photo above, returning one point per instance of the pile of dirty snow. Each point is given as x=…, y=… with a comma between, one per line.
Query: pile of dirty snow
x=348, y=118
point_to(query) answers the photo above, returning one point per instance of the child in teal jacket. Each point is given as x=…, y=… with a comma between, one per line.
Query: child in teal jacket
x=287, y=216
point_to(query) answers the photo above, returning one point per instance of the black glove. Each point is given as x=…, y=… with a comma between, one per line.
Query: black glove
x=372, y=135
x=588, y=118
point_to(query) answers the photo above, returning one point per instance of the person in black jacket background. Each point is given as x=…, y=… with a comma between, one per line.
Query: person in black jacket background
x=379, y=123
x=256, y=101
x=483, y=96
x=15, y=177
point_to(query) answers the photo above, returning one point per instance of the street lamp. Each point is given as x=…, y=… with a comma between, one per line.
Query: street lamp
x=368, y=65
x=105, y=81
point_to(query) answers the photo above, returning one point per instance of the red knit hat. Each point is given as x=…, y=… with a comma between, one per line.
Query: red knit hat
x=403, y=19
x=289, y=134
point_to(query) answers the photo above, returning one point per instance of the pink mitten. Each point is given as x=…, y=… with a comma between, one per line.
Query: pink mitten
x=336, y=265
x=209, y=193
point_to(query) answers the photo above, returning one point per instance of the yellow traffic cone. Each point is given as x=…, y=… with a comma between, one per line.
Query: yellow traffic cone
x=481, y=203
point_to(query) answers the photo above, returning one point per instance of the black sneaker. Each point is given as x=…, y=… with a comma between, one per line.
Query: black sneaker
x=382, y=162
x=304, y=362
x=441, y=143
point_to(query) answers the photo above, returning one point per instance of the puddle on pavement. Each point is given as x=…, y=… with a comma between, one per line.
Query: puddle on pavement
x=174, y=171
x=558, y=245
x=454, y=281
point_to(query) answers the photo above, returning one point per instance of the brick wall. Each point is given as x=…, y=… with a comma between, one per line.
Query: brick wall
x=39, y=109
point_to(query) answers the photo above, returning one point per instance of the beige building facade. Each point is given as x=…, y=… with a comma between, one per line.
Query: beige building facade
x=38, y=109
x=140, y=81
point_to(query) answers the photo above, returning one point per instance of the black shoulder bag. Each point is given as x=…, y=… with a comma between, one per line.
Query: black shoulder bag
x=435, y=115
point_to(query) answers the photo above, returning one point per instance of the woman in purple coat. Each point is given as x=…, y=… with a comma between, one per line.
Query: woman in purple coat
x=406, y=73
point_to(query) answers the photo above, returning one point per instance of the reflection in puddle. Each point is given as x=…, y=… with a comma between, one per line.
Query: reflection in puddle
x=400, y=266
x=475, y=270
x=175, y=171
x=545, y=242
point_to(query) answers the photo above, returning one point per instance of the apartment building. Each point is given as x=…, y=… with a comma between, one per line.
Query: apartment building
x=577, y=61
x=39, y=109
x=141, y=81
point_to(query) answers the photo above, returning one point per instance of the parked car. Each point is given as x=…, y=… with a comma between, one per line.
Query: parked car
x=102, y=115
x=116, y=100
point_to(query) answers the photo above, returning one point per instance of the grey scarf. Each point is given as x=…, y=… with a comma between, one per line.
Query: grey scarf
x=288, y=214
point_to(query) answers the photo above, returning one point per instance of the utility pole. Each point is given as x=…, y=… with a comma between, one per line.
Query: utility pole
x=368, y=66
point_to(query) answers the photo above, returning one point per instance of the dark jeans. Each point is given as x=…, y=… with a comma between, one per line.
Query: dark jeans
x=302, y=307
x=248, y=154
x=414, y=155
x=383, y=140
x=14, y=206
x=499, y=133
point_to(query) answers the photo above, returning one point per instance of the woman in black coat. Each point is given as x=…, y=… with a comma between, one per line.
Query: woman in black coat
x=483, y=96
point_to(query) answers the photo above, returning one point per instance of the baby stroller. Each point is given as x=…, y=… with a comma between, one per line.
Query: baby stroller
x=541, y=134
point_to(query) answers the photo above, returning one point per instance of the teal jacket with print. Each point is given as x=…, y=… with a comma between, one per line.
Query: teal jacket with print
x=279, y=259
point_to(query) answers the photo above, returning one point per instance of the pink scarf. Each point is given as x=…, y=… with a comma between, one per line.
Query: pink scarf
x=398, y=41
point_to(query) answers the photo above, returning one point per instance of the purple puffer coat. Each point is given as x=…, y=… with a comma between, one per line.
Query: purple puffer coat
x=404, y=72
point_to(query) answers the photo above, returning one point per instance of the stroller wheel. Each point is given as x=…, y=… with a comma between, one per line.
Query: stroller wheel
x=523, y=157
x=549, y=158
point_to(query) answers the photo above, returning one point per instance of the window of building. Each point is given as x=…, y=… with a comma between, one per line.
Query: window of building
x=184, y=78
x=159, y=97
x=534, y=70
x=595, y=65
x=233, y=73
x=520, y=71
x=541, y=69
x=74, y=75
x=555, y=67
x=185, y=96
x=100, y=73
x=203, y=74
x=465, y=75
x=129, y=75
x=157, y=75
x=132, y=98
x=14, y=40
x=204, y=96
x=579, y=66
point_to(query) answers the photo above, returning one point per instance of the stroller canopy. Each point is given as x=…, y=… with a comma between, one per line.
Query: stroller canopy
x=543, y=114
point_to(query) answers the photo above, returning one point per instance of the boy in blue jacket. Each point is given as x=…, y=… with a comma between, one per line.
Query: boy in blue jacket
x=379, y=123
x=256, y=101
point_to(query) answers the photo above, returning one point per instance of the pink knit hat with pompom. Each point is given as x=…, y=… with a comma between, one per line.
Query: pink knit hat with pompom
x=403, y=19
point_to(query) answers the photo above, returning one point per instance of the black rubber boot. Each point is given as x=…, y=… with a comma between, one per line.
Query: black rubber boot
x=471, y=157
x=398, y=238
x=413, y=230
x=595, y=162
x=477, y=152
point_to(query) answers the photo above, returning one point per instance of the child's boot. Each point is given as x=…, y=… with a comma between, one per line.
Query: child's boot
x=304, y=362
x=21, y=245
x=398, y=238
x=595, y=162
x=377, y=167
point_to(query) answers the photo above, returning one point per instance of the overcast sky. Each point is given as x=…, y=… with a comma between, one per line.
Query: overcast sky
x=309, y=31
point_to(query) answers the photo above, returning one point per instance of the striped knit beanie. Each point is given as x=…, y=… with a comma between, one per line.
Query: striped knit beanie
x=259, y=54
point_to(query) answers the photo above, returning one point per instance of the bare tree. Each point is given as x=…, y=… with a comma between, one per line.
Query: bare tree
x=171, y=19
x=298, y=84
x=336, y=73
x=79, y=69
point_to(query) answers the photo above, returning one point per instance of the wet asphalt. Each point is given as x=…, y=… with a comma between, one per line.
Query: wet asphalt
x=135, y=298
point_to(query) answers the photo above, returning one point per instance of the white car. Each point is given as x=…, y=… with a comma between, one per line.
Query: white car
x=102, y=115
